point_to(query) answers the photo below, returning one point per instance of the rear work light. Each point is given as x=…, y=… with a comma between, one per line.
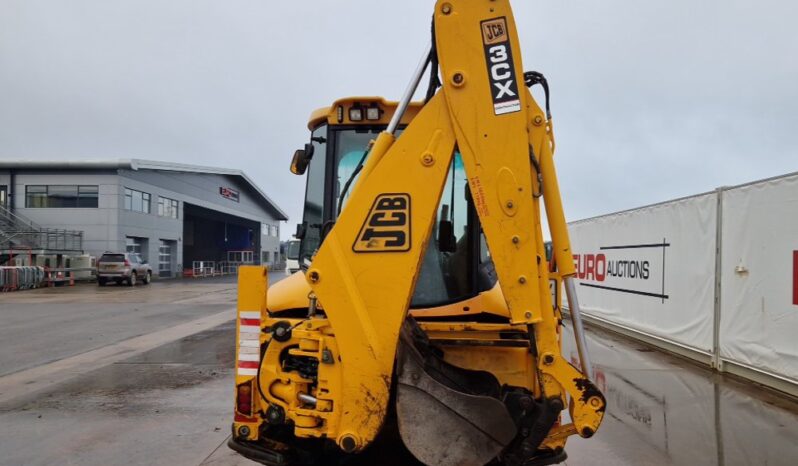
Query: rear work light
x=355, y=113
x=373, y=113
x=244, y=399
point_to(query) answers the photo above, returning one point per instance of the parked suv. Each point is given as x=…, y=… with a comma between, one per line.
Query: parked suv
x=123, y=267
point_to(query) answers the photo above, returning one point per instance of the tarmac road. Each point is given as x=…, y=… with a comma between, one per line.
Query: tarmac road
x=154, y=386
x=117, y=375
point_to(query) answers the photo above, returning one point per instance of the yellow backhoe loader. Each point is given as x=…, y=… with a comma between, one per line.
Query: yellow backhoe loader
x=424, y=324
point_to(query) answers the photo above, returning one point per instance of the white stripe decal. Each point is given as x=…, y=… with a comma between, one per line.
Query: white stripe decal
x=249, y=357
x=249, y=329
x=242, y=371
x=248, y=350
x=249, y=344
x=249, y=315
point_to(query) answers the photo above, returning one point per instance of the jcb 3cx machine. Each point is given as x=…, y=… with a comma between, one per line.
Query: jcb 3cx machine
x=422, y=326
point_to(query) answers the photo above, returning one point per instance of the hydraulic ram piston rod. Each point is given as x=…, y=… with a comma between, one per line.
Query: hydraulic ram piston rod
x=579, y=329
x=411, y=89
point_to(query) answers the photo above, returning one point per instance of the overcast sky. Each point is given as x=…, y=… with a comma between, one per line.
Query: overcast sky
x=652, y=100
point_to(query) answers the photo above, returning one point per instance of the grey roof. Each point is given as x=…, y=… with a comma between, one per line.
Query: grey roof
x=138, y=164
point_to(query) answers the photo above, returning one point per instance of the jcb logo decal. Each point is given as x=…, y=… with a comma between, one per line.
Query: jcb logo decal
x=387, y=226
x=501, y=71
x=494, y=30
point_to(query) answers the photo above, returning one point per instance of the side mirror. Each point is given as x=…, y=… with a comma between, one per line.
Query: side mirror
x=301, y=160
x=301, y=229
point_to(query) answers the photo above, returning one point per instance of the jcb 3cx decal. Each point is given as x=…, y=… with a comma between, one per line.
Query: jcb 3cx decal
x=387, y=226
x=501, y=70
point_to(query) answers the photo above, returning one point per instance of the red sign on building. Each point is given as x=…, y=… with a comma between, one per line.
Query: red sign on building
x=229, y=193
x=795, y=277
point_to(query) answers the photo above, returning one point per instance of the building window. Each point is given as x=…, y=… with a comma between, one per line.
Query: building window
x=137, y=201
x=60, y=196
x=265, y=257
x=167, y=207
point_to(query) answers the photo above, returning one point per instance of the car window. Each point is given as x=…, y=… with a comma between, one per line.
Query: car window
x=112, y=258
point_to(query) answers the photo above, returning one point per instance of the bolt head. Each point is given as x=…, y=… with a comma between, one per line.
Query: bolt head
x=548, y=359
x=538, y=120
x=528, y=314
x=446, y=8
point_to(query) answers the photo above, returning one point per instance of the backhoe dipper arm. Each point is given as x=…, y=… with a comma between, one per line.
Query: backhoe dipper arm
x=365, y=271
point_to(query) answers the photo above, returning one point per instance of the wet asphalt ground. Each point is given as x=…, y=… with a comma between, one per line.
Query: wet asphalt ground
x=127, y=376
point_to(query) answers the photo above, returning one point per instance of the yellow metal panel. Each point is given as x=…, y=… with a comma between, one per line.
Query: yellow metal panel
x=253, y=282
x=289, y=293
x=477, y=41
x=366, y=295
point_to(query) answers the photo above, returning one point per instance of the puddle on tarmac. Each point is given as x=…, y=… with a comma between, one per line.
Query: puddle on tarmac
x=675, y=412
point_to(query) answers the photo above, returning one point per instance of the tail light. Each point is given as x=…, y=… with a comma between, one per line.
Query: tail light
x=127, y=263
x=244, y=399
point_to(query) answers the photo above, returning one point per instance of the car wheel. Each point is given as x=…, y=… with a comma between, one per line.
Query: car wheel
x=132, y=280
x=148, y=278
x=101, y=282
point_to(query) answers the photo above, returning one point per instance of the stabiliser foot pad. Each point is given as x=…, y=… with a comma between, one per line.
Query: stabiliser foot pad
x=262, y=454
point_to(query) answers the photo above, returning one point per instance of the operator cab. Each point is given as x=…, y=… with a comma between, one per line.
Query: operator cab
x=456, y=265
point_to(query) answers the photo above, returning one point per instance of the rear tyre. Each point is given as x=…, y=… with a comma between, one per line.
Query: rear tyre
x=101, y=282
x=132, y=280
x=148, y=278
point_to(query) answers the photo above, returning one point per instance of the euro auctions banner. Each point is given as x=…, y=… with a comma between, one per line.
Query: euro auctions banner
x=759, y=276
x=651, y=269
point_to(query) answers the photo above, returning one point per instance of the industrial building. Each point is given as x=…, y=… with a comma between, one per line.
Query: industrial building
x=172, y=214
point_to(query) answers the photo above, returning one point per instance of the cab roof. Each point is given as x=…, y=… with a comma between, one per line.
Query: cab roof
x=338, y=112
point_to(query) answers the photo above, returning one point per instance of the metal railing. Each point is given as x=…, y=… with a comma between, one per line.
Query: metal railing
x=21, y=278
x=214, y=269
x=18, y=231
x=29, y=277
